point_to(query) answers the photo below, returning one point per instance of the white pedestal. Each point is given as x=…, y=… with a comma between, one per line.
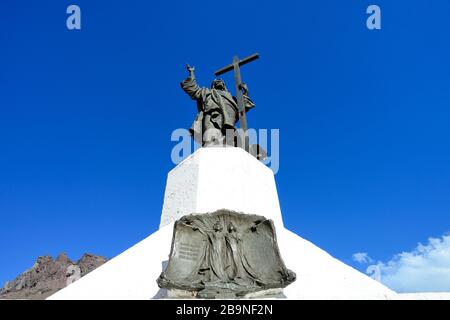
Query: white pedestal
x=220, y=178
x=212, y=179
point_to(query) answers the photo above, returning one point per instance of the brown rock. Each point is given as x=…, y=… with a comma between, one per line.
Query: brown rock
x=47, y=276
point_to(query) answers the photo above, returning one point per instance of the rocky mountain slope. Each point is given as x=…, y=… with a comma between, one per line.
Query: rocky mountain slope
x=47, y=276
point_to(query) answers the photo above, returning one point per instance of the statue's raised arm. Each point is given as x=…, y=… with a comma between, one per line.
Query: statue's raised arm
x=190, y=86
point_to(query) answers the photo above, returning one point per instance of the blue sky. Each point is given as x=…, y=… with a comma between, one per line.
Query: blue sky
x=86, y=118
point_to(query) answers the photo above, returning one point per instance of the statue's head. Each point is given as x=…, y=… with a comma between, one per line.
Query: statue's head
x=218, y=84
x=217, y=227
x=231, y=228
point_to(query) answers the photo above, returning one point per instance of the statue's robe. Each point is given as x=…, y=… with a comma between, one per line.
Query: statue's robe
x=217, y=109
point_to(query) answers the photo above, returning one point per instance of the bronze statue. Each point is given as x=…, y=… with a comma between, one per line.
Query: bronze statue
x=218, y=110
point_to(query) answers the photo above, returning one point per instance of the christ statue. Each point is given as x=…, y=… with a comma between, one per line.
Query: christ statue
x=217, y=110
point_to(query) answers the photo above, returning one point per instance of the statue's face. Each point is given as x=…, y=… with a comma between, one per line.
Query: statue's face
x=217, y=227
x=218, y=84
x=231, y=228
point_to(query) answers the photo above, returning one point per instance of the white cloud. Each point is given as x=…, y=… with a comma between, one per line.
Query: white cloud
x=425, y=269
x=362, y=257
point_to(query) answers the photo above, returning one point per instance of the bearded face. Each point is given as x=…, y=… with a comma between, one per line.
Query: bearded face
x=219, y=84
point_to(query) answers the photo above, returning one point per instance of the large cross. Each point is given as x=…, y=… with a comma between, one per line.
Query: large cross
x=239, y=94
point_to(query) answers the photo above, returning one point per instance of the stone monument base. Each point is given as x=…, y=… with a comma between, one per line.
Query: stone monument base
x=217, y=178
x=209, y=180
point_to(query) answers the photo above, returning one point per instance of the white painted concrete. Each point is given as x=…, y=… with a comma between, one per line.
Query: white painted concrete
x=321, y=276
x=220, y=178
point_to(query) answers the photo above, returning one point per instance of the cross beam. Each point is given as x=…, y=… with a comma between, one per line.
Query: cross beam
x=241, y=63
x=235, y=66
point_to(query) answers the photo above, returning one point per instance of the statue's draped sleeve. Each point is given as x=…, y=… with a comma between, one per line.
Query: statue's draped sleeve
x=249, y=104
x=191, y=87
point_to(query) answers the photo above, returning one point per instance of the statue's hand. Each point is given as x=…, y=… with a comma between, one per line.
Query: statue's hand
x=244, y=88
x=189, y=68
x=191, y=71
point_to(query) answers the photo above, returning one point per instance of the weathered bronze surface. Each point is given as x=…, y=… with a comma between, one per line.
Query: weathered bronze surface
x=219, y=111
x=224, y=254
